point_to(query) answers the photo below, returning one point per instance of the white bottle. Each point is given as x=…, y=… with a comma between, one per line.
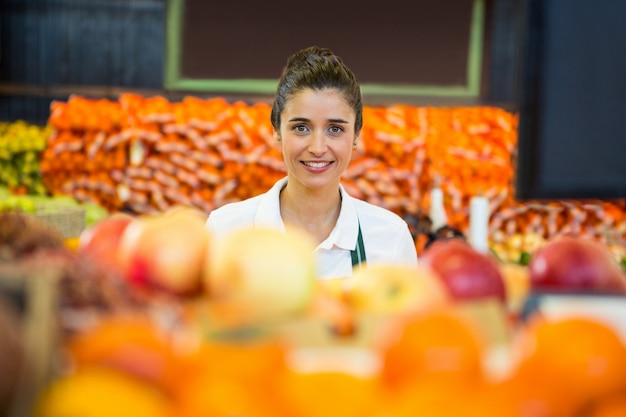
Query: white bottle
x=437, y=215
x=479, y=223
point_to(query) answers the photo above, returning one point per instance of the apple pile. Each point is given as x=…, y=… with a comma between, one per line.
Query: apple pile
x=156, y=254
x=565, y=264
x=253, y=276
x=256, y=275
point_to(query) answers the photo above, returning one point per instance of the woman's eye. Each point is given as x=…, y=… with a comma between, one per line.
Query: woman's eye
x=336, y=129
x=300, y=128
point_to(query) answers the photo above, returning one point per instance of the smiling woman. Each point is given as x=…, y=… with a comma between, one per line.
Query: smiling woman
x=317, y=118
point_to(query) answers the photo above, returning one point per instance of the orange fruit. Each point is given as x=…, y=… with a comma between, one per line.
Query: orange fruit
x=328, y=393
x=582, y=356
x=439, y=345
x=428, y=398
x=253, y=360
x=225, y=396
x=521, y=397
x=612, y=406
x=230, y=378
x=101, y=392
x=129, y=343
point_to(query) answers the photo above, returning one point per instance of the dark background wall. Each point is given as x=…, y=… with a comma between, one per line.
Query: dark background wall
x=50, y=49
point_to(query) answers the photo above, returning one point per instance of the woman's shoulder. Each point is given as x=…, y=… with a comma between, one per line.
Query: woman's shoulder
x=234, y=214
x=236, y=207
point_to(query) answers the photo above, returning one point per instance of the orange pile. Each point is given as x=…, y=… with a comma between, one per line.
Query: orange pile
x=431, y=363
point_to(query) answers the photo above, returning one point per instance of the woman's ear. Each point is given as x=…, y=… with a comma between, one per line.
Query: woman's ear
x=277, y=136
x=356, y=140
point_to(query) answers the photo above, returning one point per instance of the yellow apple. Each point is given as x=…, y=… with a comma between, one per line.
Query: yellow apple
x=394, y=289
x=258, y=275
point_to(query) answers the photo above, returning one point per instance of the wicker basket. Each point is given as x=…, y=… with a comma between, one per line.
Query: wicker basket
x=68, y=220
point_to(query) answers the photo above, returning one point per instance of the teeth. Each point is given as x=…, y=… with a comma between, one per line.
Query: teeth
x=316, y=164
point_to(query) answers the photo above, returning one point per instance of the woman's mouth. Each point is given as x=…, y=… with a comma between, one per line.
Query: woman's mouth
x=317, y=165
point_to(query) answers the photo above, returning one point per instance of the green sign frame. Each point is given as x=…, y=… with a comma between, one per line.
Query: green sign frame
x=175, y=81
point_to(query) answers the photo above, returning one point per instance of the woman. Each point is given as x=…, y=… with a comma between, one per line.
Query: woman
x=317, y=117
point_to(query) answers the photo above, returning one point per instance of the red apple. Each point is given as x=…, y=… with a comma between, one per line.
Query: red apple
x=466, y=273
x=166, y=252
x=100, y=241
x=575, y=264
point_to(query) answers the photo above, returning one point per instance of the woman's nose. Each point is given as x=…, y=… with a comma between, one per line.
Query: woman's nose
x=317, y=144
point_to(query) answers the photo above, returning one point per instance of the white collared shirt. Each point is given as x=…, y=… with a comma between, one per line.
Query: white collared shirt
x=386, y=235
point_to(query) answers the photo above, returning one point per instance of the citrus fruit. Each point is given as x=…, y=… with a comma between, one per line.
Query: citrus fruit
x=101, y=392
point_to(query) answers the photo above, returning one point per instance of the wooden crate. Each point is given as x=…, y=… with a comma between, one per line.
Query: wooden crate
x=35, y=299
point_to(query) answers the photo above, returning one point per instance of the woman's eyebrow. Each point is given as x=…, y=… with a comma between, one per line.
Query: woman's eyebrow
x=304, y=119
x=298, y=119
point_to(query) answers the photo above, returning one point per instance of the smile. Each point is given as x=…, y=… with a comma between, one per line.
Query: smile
x=316, y=164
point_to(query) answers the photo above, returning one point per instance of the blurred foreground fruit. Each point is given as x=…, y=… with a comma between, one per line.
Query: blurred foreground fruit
x=327, y=393
x=439, y=346
x=101, y=392
x=259, y=275
x=394, y=289
x=129, y=343
x=231, y=377
x=100, y=241
x=466, y=273
x=574, y=264
x=611, y=406
x=166, y=252
x=583, y=358
x=23, y=236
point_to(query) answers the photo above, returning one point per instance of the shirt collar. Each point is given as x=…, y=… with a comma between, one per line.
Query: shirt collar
x=344, y=234
x=268, y=212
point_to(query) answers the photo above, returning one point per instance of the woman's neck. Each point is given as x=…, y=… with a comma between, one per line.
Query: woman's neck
x=315, y=211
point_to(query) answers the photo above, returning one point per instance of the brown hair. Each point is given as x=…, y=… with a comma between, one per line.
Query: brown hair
x=317, y=68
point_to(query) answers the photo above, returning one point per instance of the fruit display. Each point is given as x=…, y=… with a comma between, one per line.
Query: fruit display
x=146, y=154
x=31, y=203
x=21, y=145
x=243, y=327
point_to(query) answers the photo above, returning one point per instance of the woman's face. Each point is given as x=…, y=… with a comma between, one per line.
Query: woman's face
x=317, y=136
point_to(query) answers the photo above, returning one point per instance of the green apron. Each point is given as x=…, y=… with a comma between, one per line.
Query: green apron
x=358, y=254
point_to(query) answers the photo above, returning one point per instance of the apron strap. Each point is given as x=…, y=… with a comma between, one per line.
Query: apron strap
x=358, y=254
